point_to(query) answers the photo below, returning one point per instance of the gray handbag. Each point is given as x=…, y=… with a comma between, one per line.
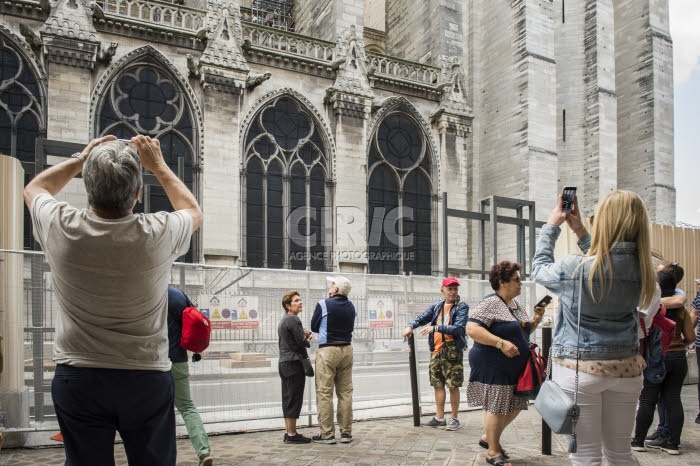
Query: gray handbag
x=557, y=409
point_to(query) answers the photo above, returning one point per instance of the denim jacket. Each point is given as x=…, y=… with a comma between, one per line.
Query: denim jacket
x=457, y=326
x=608, y=327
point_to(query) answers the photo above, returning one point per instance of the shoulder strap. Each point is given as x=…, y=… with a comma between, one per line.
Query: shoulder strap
x=578, y=332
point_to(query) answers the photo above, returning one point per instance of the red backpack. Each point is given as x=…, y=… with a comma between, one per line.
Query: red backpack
x=196, y=329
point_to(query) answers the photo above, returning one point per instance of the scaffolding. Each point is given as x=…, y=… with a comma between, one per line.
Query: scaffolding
x=273, y=13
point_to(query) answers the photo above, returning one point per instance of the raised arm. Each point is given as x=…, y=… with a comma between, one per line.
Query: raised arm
x=54, y=179
x=179, y=196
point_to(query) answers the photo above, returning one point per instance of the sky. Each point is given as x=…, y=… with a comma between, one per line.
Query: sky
x=685, y=32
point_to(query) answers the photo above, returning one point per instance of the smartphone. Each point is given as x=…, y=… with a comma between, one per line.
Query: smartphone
x=567, y=198
x=544, y=301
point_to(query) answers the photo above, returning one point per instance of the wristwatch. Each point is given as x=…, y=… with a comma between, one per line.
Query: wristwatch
x=78, y=156
x=499, y=345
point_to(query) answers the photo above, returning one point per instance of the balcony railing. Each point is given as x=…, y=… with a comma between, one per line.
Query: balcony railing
x=395, y=68
x=275, y=43
x=153, y=11
x=263, y=37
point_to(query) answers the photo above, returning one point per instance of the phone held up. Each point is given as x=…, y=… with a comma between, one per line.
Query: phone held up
x=544, y=301
x=567, y=198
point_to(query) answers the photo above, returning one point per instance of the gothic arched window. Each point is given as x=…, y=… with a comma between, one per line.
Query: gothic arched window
x=399, y=198
x=285, y=189
x=146, y=99
x=21, y=116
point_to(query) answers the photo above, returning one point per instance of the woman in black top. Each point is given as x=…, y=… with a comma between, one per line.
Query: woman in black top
x=293, y=341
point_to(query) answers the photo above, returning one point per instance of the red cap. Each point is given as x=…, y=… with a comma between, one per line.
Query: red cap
x=450, y=281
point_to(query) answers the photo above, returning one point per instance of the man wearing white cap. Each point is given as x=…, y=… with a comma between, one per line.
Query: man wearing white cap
x=334, y=321
x=447, y=340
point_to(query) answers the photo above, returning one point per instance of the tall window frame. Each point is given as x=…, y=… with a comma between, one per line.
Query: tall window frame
x=144, y=96
x=400, y=196
x=22, y=115
x=286, y=188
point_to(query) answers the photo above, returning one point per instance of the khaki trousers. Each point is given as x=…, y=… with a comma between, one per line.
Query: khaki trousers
x=334, y=369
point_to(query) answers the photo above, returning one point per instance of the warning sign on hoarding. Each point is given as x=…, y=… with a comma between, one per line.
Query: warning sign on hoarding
x=381, y=313
x=230, y=312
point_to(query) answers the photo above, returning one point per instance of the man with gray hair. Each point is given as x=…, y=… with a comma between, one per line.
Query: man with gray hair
x=334, y=321
x=110, y=272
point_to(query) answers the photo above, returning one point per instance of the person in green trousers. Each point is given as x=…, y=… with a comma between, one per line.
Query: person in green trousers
x=177, y=302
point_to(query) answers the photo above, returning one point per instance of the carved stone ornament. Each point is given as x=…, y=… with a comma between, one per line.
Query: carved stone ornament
x=454, y=105
x=350, y=62
x=70, y=38
x=222, y=65
x=224, y=46
x=32, y=38
x=254, y=80
x=71, y=19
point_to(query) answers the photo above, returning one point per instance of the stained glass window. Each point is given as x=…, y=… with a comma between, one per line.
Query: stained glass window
x=286, y=189
x=399, y=200
x=21, y=116
x=146, y=99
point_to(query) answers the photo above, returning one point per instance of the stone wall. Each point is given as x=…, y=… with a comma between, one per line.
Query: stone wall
x=421, y=31
x=644, y=76
x=327, y=19
x=571, y=108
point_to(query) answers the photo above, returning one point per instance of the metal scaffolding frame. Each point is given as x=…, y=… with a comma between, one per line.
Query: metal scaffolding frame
x=274, y=13
x=488, y=213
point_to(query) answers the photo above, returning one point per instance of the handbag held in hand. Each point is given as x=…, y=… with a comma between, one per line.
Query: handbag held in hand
x=530, y=379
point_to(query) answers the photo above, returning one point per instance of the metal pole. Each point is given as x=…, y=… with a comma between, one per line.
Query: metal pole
x=415, y=396
x=38, y=324
x=444, y=233
x=546, y=431
x=308, y=385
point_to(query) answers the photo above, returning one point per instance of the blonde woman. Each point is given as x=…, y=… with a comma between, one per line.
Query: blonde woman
x=618, y=277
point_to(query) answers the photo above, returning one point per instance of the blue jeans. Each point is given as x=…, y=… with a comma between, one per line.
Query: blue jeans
x=93, y=404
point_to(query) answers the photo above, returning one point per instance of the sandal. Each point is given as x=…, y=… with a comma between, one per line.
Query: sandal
x=483, y=444
x=499, y=460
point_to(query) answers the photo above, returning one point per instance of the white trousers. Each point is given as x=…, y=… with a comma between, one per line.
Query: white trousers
x=608, y=406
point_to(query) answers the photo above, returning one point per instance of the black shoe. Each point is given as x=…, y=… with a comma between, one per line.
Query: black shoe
x=638, y=446
x=318, y=439
x=345, y=438
x=654, y=436
x=656, y=443
x=670, y=448
x=296, y=438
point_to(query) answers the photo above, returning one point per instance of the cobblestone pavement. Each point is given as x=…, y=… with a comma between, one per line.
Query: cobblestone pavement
x=392, y=441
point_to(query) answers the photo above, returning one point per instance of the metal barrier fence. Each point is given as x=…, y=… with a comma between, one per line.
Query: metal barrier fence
x=236, y=385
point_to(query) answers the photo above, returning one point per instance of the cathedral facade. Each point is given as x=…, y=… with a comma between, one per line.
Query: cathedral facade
x=322, y=135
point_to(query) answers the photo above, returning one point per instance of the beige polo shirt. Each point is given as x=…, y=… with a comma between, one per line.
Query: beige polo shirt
x=110, y=279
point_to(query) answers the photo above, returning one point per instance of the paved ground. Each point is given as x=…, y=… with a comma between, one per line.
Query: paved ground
x=392, y=441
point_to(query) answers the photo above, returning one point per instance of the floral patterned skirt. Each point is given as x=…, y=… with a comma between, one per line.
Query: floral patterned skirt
x=496, y=399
